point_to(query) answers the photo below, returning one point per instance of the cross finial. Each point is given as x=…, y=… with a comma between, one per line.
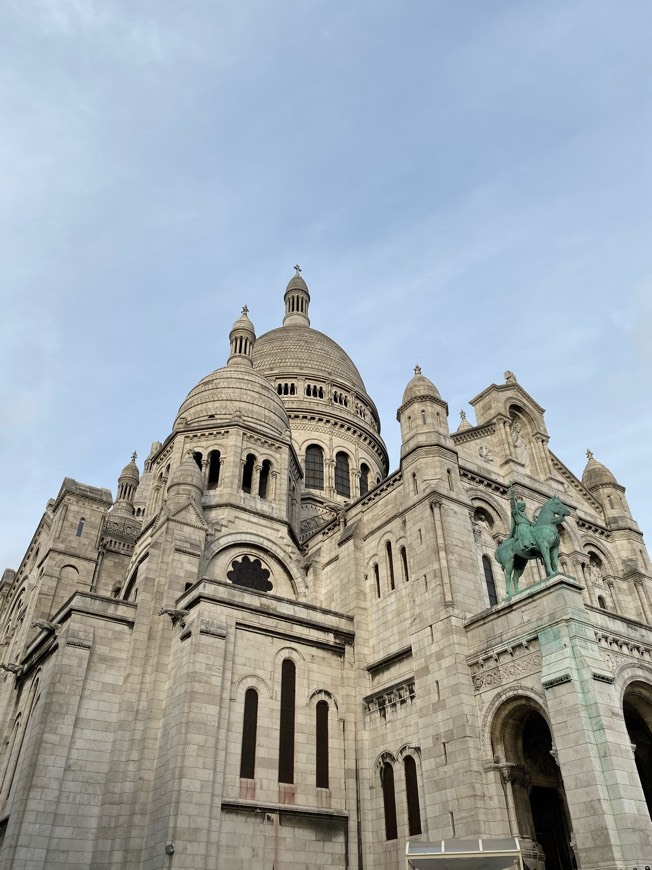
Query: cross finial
x=297, y=270
x=245, y=310
x=463, y=415
x=134, y=456
x=417, y=370
x=589, y=454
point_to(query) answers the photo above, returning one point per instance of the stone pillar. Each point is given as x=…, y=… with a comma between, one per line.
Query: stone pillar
x=447, y=589
x=189, y=818
x=643, y=600
x=507, y=776
x=255, y=479
x=609, y=816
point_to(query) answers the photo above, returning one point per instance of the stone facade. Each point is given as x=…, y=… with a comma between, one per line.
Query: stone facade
x=271, y=652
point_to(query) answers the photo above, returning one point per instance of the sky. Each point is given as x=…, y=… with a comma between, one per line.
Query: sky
x=465, y=184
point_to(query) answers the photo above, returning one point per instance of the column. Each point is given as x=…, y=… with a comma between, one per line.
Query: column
x=436, y=507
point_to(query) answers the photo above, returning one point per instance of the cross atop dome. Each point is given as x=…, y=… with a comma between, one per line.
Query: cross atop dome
x=297, y=270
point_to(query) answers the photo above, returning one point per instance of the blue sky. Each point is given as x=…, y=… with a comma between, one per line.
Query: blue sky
x=467, y=185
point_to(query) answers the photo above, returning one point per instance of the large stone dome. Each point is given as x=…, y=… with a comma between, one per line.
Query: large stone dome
x=306, y=351
x=231, y=393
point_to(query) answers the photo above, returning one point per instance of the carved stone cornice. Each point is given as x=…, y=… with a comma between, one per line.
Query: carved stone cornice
x=481, y=480
x=474, y=433
x=592, y=527
x=570, y=478
x=392, y=699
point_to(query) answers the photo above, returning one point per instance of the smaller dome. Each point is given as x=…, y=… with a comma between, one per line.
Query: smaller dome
x=420, y=388
x=596, y=474
x=186, y=474
x=296, y=282
x=243, y=323
x=130, y=472
x=231, y=393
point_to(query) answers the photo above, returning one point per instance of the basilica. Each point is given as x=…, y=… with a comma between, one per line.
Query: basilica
x=271, y=651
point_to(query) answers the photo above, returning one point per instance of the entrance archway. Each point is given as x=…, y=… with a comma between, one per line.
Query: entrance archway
x=534, y=781
x=637, y=710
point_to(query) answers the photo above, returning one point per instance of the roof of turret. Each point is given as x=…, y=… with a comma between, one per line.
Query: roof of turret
x=420, y=387
x=596, y=474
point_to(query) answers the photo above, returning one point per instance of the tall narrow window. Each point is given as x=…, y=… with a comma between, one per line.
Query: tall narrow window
x=249, y=727
x=377, y=579
x=198, y=458
x=286, y=737
x=412, y=794
x=342, y=476
x=264, y=479
x=248, y=473
x=364, y=479
x=314, y=467
x=321, y=715
x=450, y=479
x=389, y=800
x=214, y=469
x=404, y=564
x=390, y=565
x=80, y=527
x=489, y=580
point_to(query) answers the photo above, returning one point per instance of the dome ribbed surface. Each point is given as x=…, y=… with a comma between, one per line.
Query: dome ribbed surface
x=597, y=474
x=130, y=471
x=420, y=388
x=232, y=391
x=187, y=474
x=307, y=351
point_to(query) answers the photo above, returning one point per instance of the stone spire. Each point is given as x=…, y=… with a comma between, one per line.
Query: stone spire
x=464, y=423
x=127, y=486
x=297, y=300
x=242, y=338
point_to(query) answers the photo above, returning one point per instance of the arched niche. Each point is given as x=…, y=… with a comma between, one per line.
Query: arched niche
x=637, y=712
x=523, y=745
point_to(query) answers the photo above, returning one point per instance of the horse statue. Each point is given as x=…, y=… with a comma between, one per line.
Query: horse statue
x=538, y=539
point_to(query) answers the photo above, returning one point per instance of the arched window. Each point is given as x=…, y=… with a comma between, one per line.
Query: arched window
x=214, y=469
x=314, y=467
x=364, y=479
x=248, y=472
x=489, y=580
x=264, y=478
x=415, y=485
x=377, y=579
x=412, y=794
x=342, y=476
x=390, y=565
x=389, y=800
x=286, y=738
x=198, y=458
x=404, y=564
x=450, y=479
x=602, y=602
x=321, y=744
x=249, y=727
x=423, y=417
x=80, y=527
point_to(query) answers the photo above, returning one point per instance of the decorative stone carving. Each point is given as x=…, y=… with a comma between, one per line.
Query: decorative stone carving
x=251, y=574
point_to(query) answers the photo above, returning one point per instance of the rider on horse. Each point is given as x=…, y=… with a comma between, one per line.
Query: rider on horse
x=521, y=526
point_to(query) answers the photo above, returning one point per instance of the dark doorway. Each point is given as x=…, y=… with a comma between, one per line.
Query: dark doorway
x=641, y=738
x=550, y=827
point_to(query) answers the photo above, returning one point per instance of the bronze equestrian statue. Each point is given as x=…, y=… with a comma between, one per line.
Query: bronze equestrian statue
x=528, y=539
